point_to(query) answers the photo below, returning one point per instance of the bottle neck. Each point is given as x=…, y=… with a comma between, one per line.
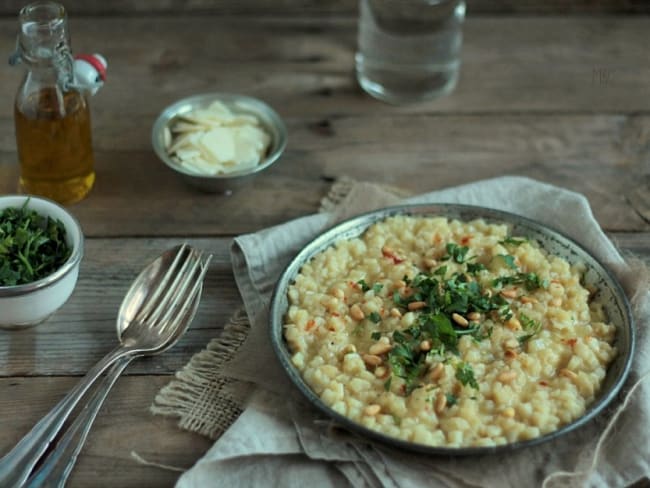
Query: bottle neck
x=43, y=44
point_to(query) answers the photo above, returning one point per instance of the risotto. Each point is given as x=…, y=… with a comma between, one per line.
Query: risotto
x=448, y=333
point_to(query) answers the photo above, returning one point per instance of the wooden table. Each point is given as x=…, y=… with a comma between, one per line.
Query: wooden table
x=565, y=100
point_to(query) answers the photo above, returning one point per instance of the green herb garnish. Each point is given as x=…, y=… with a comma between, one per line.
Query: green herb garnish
x=456, y=253
x=364, y=286
x=465, y=374
x=474, y=268
x=441, y=271
x=377, y=288
x=509, y=260
x=375, y=336
x=532, y=326
x=31, y=246
x=512, y=241
x=374, y=317
x=451, y=399
x=530, y=280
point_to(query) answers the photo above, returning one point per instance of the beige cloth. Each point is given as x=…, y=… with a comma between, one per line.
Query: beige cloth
x=280, y=441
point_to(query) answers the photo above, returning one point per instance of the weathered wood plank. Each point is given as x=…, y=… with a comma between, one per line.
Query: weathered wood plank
x=604, y=157
x=331, y=7
x=123, y=425
x=305, y=66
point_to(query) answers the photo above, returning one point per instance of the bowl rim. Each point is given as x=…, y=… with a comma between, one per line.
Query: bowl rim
x=170, y=111
x=72, y=261
x=348, y=229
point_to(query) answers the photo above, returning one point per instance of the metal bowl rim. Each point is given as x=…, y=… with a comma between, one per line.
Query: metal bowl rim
x=329, y=236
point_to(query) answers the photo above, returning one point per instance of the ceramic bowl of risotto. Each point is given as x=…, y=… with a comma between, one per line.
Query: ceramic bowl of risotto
x=451, y=329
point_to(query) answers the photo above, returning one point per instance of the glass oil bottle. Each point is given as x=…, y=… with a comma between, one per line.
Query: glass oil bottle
x=52, y=117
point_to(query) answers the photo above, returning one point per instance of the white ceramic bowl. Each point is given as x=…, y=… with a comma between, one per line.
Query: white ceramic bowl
x=32, y=303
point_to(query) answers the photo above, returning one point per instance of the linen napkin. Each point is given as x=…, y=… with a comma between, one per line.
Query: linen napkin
x=279, y=440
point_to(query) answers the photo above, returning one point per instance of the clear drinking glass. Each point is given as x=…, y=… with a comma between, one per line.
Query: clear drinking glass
x=409, y=50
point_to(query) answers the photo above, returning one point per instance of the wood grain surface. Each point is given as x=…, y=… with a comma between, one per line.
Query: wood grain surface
x=329, y=7
x=565, y=100
x=531, y=102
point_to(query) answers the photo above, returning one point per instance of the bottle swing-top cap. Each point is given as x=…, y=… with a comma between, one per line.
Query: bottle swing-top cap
x=89, y=72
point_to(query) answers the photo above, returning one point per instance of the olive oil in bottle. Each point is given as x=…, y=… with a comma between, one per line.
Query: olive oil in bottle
x=52, y=118
x=54, y=146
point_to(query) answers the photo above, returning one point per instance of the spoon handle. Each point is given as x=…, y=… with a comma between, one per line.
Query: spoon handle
x=59, y=463
x=18, y=463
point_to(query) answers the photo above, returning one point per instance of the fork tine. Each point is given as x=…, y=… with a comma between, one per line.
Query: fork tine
x=151, y=300
x=179, y=295
x=166, y=307
x=182, y=304
x=166, y=286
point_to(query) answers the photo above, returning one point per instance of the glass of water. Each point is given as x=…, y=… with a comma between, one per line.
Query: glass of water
x=409, y=50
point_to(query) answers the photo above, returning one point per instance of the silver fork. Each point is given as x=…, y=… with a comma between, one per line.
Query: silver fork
x=145, y=333
x=59, y=463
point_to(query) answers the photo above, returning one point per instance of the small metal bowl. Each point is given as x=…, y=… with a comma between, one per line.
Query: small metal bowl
x=30, y=304
x=239, y=104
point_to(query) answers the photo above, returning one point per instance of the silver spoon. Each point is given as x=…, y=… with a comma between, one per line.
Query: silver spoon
x=149, y=314
x=57, y=467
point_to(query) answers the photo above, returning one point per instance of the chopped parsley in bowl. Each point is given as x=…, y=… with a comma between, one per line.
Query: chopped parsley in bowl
x=41, y=246
x=32, y=246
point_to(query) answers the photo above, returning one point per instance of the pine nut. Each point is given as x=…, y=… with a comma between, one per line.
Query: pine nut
x=387, y=250
x=429, y=263
x=371, y=360
x=394, y=312
x=556, y=302
x=416, y=305
x=511, y=293
x=356, y=313
x=338, y=293
x=379, y=348
x=372, y=409
x=425, y=346
x=399, y=284
x=349, y=348
x=406, y=292
x=508, y=412
x=474, y=316
x=441, y=402
x=510, y=354
x=437, y=372
x=511, y=343
x=526, y=299
x=507, y=376
x=567, y=373
x=459, y=319
x=380, y=372
x=513, y=323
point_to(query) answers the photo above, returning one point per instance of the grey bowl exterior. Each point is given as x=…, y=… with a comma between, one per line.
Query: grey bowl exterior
x=610, y=292
x=268, y=117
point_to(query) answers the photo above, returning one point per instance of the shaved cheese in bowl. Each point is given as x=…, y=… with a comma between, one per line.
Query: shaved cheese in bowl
x=214, y=140
x=219, y=142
